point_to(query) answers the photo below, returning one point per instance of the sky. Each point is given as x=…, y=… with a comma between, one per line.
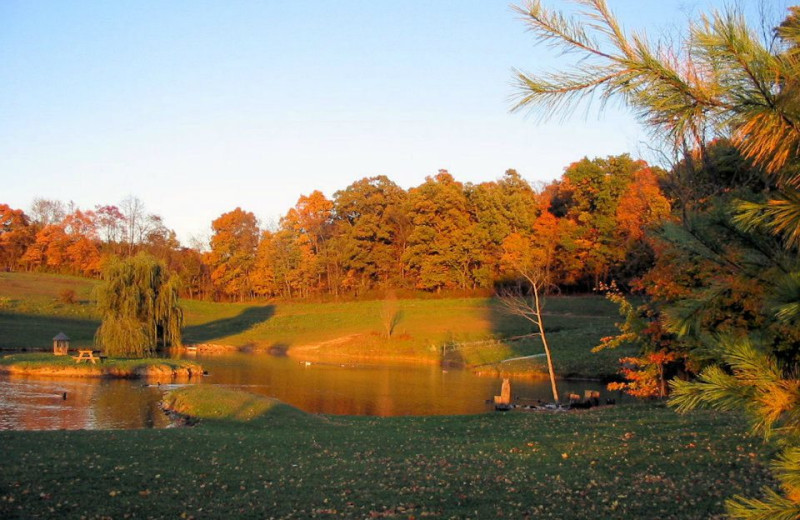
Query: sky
x=198, y=107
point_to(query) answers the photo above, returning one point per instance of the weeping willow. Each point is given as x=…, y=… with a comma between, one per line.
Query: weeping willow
x=138, y=303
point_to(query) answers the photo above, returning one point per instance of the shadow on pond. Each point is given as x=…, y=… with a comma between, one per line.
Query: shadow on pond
x=228, y=326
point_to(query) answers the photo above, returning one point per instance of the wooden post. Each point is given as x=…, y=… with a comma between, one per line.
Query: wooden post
x=504, y=398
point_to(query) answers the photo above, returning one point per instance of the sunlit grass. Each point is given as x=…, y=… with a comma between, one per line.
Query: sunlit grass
x=51, y=365
x=220, y=404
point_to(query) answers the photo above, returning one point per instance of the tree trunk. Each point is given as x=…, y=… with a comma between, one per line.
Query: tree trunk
x=550, y=369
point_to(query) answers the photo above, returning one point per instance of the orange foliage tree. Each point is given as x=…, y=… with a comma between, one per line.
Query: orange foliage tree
x=233, y=251
x=16, y=234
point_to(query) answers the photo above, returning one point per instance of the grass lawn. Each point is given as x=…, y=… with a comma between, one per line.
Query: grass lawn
x=50, y=365
x=32, y=312
x=473, y=331
x=254, y=459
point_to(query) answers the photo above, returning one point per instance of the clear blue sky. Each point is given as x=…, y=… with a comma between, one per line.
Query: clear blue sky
x=197, y=107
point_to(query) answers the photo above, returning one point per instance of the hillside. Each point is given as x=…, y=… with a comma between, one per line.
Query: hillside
x=469, y=331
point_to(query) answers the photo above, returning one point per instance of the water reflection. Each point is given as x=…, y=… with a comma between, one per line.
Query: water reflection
x=38, y=404
x=368, y=389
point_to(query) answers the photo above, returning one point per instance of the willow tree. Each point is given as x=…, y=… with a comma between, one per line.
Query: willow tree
x=138, y=303
x=722, y=80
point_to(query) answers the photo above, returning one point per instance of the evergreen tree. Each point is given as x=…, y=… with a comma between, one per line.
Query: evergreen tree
x=721, y=81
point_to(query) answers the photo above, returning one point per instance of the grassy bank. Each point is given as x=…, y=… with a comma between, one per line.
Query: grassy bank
x=472, y=332
x=638, y=461
x=41, y=364
x=32, y=310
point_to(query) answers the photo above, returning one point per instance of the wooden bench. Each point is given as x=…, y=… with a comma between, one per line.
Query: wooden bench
x=86, y=355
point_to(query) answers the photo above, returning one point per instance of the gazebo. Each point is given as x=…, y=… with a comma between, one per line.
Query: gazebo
x=61, y=344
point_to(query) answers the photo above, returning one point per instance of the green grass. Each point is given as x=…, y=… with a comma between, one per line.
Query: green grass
x=31, y=312
x=51, y=365
x=474, y=331
x=213, y=403
x=43, y=288
x=636, y=461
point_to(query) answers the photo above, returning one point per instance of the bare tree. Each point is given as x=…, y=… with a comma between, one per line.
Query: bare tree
x=138, y=223
x=133, y=210
x=200, y=241
x=47, y=211
x=524, y=301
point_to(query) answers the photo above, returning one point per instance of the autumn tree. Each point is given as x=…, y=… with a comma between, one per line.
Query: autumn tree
x=277, y=270
x=83, y=255
x=48, y=249
x=311, y=220
x=194, y=273
x=110, y=226
x=69, y=246
x=499, y=209
x=369, y=230
x=233, y=251
x=16, y=234
x=442, y=251
x=590, y=193
x=549, y=235
x=138, y=305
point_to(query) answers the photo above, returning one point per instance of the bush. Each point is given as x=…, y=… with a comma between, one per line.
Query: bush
x=67, y=296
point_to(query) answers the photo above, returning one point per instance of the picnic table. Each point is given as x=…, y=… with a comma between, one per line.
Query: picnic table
x=86, y=355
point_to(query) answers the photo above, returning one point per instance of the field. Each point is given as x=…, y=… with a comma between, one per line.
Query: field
x=471, y=332
x=255, y=458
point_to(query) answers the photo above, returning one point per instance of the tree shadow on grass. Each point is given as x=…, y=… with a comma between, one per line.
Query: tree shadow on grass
x=30, y=331
x=228, y=326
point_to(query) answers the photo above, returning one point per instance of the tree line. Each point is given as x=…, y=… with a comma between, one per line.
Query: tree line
x=443, y=235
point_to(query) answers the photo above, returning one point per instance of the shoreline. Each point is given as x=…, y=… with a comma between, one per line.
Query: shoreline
x=48, y=365
x=314, y=354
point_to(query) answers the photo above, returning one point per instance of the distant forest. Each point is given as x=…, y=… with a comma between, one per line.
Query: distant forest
x=591, y=226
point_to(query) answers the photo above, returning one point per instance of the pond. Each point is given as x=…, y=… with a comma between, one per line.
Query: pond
x=347, y=389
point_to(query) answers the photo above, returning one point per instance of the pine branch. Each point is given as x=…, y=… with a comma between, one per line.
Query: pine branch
x=780, y=215
x=772, y=507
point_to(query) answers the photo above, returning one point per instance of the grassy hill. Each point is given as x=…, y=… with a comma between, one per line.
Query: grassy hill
x=469, y=331
x=33, y=310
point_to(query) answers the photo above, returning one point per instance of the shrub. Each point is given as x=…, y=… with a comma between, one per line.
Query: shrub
x=67, y=296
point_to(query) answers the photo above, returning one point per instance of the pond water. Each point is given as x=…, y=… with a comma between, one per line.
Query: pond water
x=349, y=389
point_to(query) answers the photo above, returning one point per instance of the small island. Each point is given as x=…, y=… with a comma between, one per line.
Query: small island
x=47, y=364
